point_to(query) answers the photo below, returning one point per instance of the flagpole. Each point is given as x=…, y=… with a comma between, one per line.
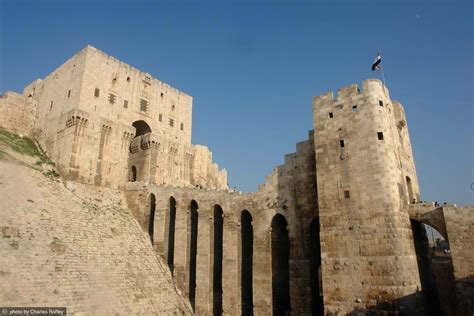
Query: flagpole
x=383, y=75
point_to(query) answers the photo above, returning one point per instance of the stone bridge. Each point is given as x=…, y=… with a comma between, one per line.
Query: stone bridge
x=429, y=214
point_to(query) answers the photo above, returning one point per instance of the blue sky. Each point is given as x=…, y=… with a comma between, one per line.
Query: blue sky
x=253, y=67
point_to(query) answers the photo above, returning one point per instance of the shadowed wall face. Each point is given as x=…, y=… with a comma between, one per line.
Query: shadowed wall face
x=280, y=266
x=317, y=307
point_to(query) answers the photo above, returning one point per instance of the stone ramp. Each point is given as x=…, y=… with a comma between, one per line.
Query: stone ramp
x=59, y=249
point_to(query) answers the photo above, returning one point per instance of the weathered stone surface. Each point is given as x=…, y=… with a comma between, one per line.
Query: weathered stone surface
x=91, y=257
x=18, y=113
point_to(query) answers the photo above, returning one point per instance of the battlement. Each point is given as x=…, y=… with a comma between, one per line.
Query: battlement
x=369, y=87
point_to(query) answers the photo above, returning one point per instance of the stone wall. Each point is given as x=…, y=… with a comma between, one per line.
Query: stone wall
x=17, y=113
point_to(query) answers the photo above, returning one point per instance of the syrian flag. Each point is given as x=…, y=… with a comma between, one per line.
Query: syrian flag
x=377, y=61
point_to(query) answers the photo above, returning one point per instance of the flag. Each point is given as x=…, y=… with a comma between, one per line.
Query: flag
x=377, y=61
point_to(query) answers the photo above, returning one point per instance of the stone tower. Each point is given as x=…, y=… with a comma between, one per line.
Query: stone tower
x=105, y=123
x=366, y=178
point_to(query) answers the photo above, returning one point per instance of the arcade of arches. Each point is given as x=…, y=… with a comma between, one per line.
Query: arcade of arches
x=193, y=238
x=230, y=259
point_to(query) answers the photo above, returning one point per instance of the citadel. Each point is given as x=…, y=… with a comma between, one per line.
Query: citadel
x=337, y=229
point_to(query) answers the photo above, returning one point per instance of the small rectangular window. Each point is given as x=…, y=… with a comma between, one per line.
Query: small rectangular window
x=96, y=93
x=331, y=115
x=125, y=104
x=380, y=102
x=112, y=98
x=341, y=143
x=182, y=126
x=160, y=117
x=143, y=105
x=171, y=122
x=69, y=93
x=51, y=106
x=347, y=195
x=380, y=135
x=355, y=108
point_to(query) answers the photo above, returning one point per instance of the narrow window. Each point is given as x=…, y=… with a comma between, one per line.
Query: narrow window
x=380, y=135
x=171, y=122
x=182, y=126
x=331, y=115
x=380, y=102
x=160, y=117
x=128, y=79
x=96, y=93
x=161, y=95
x=355, y=109
x=347, y=195
x=341, y=143
x=143, y=105
x=51, y=106
x=112, y=98
x=172, y=107
x=125, y=104
x=69, y=93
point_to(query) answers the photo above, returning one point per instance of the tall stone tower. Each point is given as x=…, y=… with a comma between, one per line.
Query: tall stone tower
x=366, y=178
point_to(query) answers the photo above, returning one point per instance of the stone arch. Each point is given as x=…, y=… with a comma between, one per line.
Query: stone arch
x=141, y=128
x=151, y=219
x=193, y=240
x=426, y=269
x=217, y=259
x=171, y=233
x=317, y=307
x=280, y=266
x=246, y=266
x=133, y=173
x=430, y=215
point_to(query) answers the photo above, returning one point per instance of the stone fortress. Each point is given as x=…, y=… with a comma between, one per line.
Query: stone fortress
x=336, y=229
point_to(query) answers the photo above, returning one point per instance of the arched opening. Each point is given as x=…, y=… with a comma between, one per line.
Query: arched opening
x=171, y=232
x=151, y=222
x=410, y=190
x=133, y=174
x=435, y=269
x=141, y=128
x=192, y=253
x=217, y=275
x=317, y=307
x=246, y=271
x=280, y=266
